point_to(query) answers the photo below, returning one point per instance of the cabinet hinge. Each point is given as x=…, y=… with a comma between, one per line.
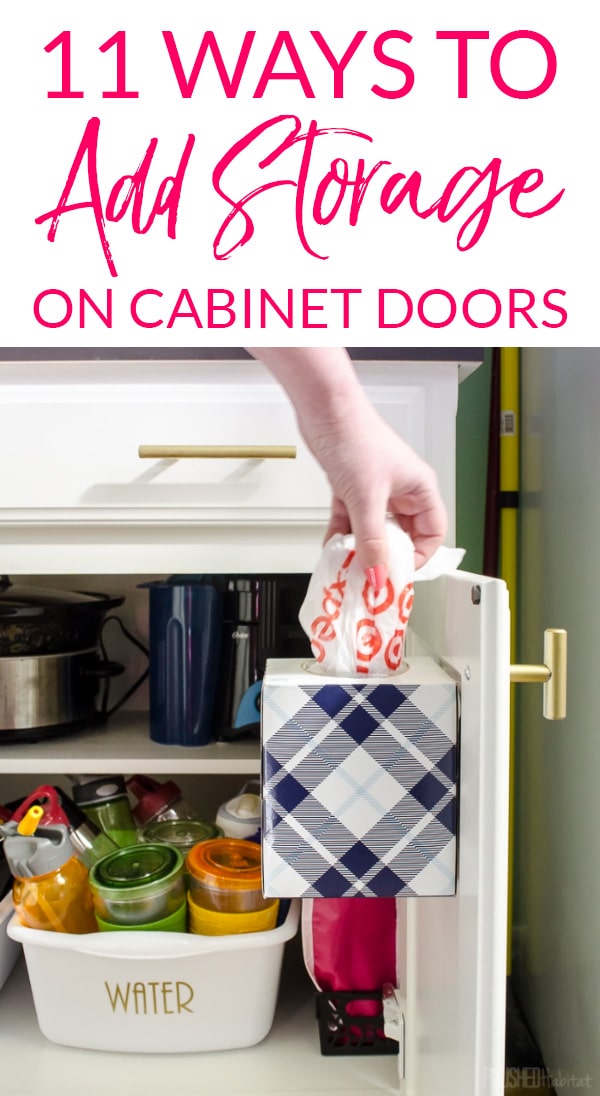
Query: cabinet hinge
x=394, y=1007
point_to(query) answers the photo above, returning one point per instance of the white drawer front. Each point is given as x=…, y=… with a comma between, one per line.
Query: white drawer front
x=78, y=449
x=71, y=444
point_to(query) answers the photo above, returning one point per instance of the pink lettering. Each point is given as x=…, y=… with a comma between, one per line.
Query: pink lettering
x=551, y=64
x=469, y=196
x=298, y=72
x=209, y=43
x=392, y=62
x=463, y=37
x=128, y=191
x=339, y=67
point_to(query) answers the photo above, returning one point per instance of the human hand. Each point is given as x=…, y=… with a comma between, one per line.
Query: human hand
x=372, y=471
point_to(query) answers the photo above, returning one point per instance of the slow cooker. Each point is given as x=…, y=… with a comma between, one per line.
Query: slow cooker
x=53, y=670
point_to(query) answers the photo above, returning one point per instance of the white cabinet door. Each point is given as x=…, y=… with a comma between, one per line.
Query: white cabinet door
x=456, y=947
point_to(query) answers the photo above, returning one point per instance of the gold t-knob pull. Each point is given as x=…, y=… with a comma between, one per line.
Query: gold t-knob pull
x=553, y=674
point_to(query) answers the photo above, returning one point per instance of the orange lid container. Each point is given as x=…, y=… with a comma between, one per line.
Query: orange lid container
x=225, y=874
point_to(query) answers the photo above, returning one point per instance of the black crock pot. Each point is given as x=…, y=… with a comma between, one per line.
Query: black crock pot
x=37, y=621
x=52, y=663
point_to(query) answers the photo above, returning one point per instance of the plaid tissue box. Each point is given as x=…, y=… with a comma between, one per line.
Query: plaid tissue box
x=358, y=782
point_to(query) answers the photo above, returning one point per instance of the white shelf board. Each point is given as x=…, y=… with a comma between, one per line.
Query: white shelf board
x=288, y=1061
x=124, y=745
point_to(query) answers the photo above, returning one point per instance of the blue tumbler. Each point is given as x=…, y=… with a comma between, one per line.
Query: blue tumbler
x=185, y=641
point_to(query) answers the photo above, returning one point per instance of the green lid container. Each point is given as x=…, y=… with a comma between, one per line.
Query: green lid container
x=139, y=885
x=182, y=833
x=176, y=922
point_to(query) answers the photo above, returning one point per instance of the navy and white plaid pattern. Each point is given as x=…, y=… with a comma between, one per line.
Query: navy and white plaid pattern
x=359, y=789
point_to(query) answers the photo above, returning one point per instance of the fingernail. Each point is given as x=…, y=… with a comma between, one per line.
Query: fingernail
x=377, y=576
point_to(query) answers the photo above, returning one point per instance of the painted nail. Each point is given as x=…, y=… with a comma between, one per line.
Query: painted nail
x=377, y=576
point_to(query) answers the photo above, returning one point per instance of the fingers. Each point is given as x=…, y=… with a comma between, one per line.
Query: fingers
x=426, y=527
x=424, y=548
x=371, y=550
x=367, y=519
x=339, y=521
x=425, y=520
x=419, y=510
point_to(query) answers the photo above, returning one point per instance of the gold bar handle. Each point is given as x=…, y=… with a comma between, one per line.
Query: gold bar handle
x=230, y=452
x=553, y=673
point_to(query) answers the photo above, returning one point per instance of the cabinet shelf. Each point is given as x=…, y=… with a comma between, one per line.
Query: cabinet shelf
x=124, y=746
x=102, y=515
x=288, y=1061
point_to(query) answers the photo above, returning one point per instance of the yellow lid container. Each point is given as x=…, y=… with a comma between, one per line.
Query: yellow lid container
x=225, y=875
x=207, y=922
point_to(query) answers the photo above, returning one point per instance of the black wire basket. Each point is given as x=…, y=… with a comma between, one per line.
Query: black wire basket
x=352, y=1023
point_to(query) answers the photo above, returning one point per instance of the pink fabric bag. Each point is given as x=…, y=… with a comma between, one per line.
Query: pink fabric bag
x=351, y=944
x=354, y=945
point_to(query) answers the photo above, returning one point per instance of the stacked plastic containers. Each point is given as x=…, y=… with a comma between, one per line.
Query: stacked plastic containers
x=175, y=873
x=141, y=887
x=225, y=891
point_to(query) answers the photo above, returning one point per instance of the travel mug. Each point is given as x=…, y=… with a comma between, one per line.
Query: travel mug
x=50, y=889
x=89, y=842
x=185, y=640
x=106, y=803
x=241, y=816
x=158, y=801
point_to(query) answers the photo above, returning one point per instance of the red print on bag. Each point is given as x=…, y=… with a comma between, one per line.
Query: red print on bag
x=405, y=603
x=318, y=650
x=322, y=629
x=368, y=644
x=394, y=649
x=377, y=601
x=333, y=597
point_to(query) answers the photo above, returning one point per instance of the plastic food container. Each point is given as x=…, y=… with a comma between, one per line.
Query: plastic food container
x=174, y=922
x=138, y=886
x=148, y=992
x=183, y=833
x=225, y=876
x=213, y=923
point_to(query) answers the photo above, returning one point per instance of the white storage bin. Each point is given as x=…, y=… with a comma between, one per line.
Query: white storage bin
x=9, y=949
x=155, y=992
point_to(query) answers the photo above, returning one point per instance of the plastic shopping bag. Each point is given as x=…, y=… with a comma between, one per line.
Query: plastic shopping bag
x=352, y=628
